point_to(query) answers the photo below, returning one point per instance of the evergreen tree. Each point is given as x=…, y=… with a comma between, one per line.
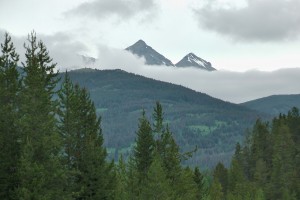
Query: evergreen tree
x=282, y=176
x=235, y=176
x=215, y=192
x=122, y=180
x=221, y=175
x=158, y=118
x=133, y=185
x=261, y=147
x=169, y=152
x=9, y=135
x=185, y=186
x=143, y=151
x=293, y=122
x=156, y=186
x=201, y=188
x=40, y=170
x=91, y=177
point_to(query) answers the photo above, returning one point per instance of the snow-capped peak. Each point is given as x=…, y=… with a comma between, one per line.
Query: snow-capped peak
x=191, y=60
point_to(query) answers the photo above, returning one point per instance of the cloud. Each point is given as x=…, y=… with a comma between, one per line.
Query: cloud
x=122, y=9
x=64, y=50
x=257, y=20
x=230, y=86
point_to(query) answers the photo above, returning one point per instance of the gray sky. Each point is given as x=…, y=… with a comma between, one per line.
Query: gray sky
x=245, y=36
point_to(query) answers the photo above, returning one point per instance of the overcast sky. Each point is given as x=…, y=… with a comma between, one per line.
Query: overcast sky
x=243, y=36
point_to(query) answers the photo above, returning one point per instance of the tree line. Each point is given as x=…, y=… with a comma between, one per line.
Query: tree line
x=51, y=145
x=267, y=165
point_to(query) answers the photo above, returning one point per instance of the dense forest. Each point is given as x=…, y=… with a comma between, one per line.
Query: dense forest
x=53, y=148
x=195, y=118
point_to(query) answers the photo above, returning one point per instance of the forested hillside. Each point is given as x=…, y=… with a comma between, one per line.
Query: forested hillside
x=275, y=104
x=52, y=146
x=267, y=165
x=195, y=118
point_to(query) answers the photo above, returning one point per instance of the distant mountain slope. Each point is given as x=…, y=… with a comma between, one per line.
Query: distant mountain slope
x=274, y=105
x=151, y=56
x=196, y=119
x=191, y=60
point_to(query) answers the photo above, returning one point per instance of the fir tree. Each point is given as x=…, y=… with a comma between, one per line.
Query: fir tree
x=282, y=176
x=221, y=175
x=9, y=135
x=215, y=192
x=200, y=182
x=156, y=186
x=143, y=151
x=90, y=177
x=40, y=170
x=158, y=118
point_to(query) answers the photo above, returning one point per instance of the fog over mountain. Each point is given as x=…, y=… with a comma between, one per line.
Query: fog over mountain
x=231, y=86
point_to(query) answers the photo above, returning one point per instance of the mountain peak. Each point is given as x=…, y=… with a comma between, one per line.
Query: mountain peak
x=191, y=60
x=152, y=57
x=142, y=42
x=191, y=54
x=139, y=44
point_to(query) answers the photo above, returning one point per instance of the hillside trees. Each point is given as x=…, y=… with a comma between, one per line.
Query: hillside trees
x=52, y=146
x=157, y=154
x=267, y=166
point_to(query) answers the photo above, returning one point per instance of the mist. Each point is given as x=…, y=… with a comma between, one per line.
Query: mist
x=236, y=87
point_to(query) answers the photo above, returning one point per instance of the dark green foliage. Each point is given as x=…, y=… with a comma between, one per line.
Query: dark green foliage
x=221, y=175
x=143, y=151
x=275, y=104
x=267, y=166
x=9, y=135
x=52, y=147
x=215, y=192
x=200, y=182
x=156, y=186
x=195, y=119
x=90, y=176
x=40, y=171
x=158, y=118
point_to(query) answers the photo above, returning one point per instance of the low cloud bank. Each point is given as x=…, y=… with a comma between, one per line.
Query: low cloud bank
x=230, y=86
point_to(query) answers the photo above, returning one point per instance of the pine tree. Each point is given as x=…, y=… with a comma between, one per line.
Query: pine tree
x=185, y=186
x=41, y=174
x=261, y=147
x=9, y=135
x=200, y=182
x=156, y=186
x=90, y=176
x=215, y=192
x=282, y=176
x=122, y=179
x=169, y=152
x=143, y=151
x=221, y=174
x=158, y=118
x=236, y=176
x=293, y=122
x=133, y=185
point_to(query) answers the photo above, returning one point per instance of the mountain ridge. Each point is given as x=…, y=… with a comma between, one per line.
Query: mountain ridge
x=274, y=104
x=195, y=118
